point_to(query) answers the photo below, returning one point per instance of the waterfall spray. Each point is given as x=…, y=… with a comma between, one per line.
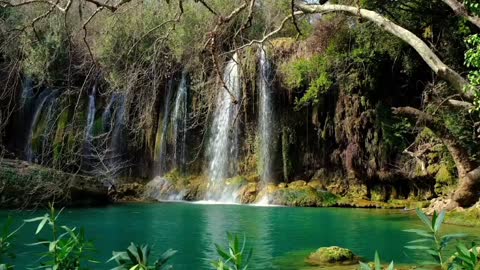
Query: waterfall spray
x=266, y=119
x=223, y=144
x=165, y=121
x=40, y=102
x=91, y=115
x=179, y=119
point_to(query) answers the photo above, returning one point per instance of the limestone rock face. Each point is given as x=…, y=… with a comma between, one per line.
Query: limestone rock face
x=332, y=255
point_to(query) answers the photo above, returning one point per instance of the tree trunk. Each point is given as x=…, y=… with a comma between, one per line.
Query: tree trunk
x=432, y=60
x=467, y=192
x=462, y=11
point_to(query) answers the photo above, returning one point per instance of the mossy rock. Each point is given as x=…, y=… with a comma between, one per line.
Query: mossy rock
x=249, y=193
x=236, y=181
x=196, y=188
x=332, y=255
x=298, y=183
x=316, y=184
x=253, y=178
x=465, y=217
x=28, y=185
x=302, y=196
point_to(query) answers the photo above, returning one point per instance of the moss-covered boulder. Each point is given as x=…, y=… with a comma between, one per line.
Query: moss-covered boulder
x=299, y=194
x=332, y=255
x=249, y=192
x=297, y=184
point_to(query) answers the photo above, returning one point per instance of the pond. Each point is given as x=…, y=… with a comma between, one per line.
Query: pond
x=281, y=237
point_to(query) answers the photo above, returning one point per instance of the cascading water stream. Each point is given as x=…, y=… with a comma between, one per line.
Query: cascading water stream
x=179, y=120
x=119, y=127
x=165, y=121
x=42, y=98
x=91, y=116
x=52, y=107
x=266, y=119
x=113, y=119
x=223, y=144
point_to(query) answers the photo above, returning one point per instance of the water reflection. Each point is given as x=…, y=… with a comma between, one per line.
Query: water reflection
x=280, y=237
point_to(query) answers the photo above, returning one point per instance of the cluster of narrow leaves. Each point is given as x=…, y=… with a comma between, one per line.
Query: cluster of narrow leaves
x=377, y=264
x=233, y=257
x=465, y=258
x=6, y=242
x=67, y=248
x=137, y=258
x=433, y=243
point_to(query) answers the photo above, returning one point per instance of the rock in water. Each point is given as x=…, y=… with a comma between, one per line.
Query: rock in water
x=332, y=255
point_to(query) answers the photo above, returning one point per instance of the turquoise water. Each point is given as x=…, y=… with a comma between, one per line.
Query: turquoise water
x=280, y=237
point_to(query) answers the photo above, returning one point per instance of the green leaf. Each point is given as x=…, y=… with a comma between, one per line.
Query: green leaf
x=424, y=218
x=364, y=266
x=421, y=233
x=391, y=266
x=418, y=247
x=439, y=220
x=378, y=265
x=41, y=224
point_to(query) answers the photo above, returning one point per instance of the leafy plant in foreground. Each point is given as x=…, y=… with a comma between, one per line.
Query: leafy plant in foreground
x=234, y=258
x=377, y=264
x=6, y=238
x=431, y=241
x=136, y=258
x=67, y=249
x=465, y=258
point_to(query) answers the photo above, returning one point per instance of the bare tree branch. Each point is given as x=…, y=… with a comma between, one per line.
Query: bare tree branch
x=460, y=10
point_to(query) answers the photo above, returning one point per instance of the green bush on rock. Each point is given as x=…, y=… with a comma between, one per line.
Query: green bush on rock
x=332, y=255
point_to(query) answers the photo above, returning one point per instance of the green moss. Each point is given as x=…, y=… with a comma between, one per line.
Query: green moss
x=287, y=163
x=236, y=181
x=331, y=255
x=469, y=217
x=176, y=177
x=444, y=176
x=302, y=196
x=98, y=126
x=311, y=74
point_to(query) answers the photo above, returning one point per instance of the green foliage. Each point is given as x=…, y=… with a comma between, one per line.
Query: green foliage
x=137, y=258
x=395, y=130
x=466, y=258
x=377, y=264
x=473, y=6
x=431, y=241
x=310, y=74
x=472, y=61
x=233, y=257
x=7, y=237
x=47, y=51
x=66, y=249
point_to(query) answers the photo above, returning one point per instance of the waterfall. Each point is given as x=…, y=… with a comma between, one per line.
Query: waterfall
x=179, y=120
x=52, y=107
x=118, y=143
x=42, y=98
x=113, y=119
x=165, y=121
x=266, y=119
x=223, y=144
x=90, y=115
